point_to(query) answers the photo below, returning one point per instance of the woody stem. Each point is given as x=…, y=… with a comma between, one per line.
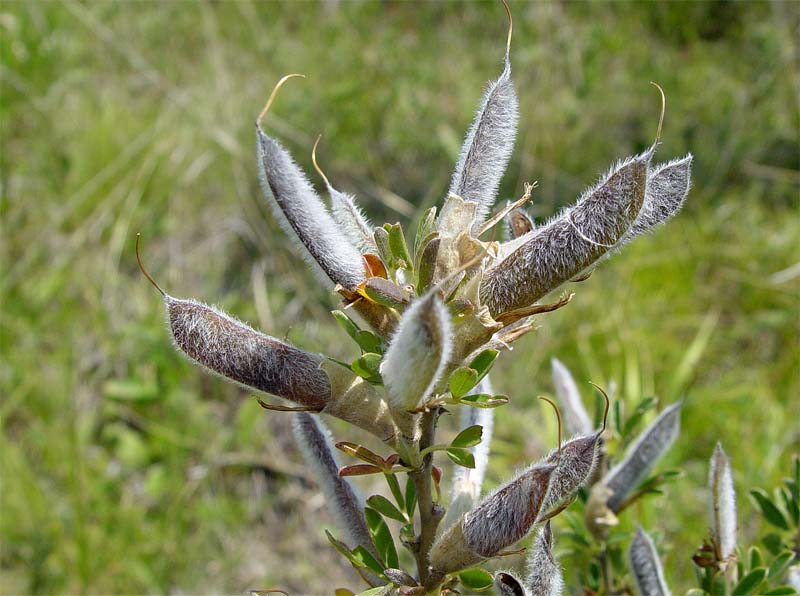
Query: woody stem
x=430, y=513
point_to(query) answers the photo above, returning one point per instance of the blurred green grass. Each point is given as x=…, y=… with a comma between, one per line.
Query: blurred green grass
x=126, y=470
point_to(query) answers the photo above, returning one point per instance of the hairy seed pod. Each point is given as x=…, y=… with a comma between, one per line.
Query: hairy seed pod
x=667, y=188
x=568, y=244
x=314, y=441
x=488, y=145
x=303, y=215
x=544, y=572
x=230, y=348
x=576, y=417
x=501, y=519
x=640, y=457
x=574, y=461
x=646, y=566
x=466, y=482
x=418, y=353
x=506, y=584
x=723, y=504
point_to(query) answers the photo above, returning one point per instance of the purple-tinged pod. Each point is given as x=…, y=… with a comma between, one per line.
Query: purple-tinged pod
x=574, y=463
x=556, y=252
x=467, y=482
x=642, y=455
x=229, y=348
x=667, y=188
x=417, y=356
x=302, y=214
x=544, y=573
x=501, y=519
x=489, y=142
x=346, y=506
x=646, y=566
x=576, y=418
x=507, y=584
x=723, y=504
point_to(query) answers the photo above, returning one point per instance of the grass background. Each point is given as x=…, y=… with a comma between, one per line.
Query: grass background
x=126, y=470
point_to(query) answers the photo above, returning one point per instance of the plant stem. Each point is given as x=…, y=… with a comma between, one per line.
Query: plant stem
x=430, y=514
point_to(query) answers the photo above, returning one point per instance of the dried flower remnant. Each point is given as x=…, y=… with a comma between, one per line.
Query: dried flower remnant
x=646, y=566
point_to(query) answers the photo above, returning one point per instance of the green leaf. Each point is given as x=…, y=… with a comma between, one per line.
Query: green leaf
x=381, y=237
x=781, y=591
x=773, y=543
x=780, y=564
x=696, y=592
x=462, y=380
x=792, y=506
x=369, y=342
x=411, y=496
x=399, y=248
x=469, y=437
x=719, y=585
x=633, y=421
x=384, y=506
x=382, y=537
x=425, y=228
x=359, y=557
x=750, y=582
x=367, y=561
x=131, y=390
x=756, y=560
x=476, y=579
x=345, y=323
x=484, y=400
x=462, y=457
x=483, y=362
x=770, y=511
x=394, y=486
x=367, y=367
x=373, y=591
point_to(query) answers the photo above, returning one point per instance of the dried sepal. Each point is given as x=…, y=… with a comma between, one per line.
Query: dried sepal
x=576, y=417
x=418, y=353
x=228, y=347
x=501, y=519
x=314, y=441
x=554, y=253
x=723, y=505
x=519, y=223
x=646, y=566
x=642, y=455
x=488, y=144
x=302, y=214
x=544, y=573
